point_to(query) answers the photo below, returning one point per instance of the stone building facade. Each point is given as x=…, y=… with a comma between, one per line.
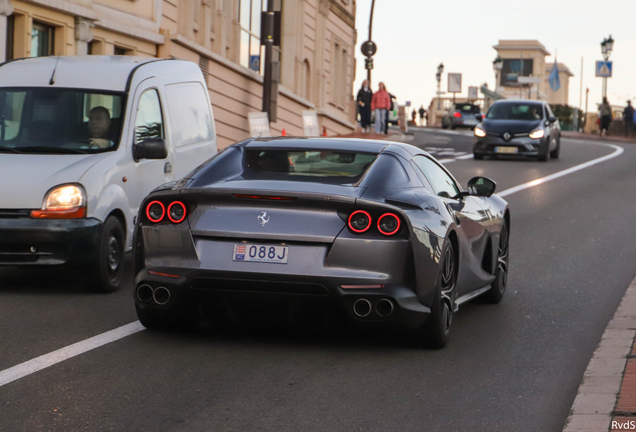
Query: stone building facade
x=221, y=36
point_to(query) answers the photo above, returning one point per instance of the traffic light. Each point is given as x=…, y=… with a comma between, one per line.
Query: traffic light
x=368, y=63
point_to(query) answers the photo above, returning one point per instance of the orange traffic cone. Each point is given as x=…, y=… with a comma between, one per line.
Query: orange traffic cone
x=324, y=131
x=284, y=133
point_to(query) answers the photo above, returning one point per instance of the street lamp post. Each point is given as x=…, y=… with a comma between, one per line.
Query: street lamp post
x=438, y=76
x=606, y=49
x=497, y=65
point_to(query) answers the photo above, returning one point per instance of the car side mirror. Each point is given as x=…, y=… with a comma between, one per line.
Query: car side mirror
x=479, y=117
x=552, y=119
x=481, y=186
x=150, y=148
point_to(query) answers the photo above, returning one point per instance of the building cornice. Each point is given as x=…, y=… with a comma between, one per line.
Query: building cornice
x=247, y=73
x=538, y=46
x=342, y=13
x=65, y=7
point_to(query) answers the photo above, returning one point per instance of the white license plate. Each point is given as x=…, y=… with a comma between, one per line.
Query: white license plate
x=470, y=122
x=506, y=149
x=260, y=253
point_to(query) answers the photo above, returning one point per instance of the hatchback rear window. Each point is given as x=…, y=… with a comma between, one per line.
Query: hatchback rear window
x=468, y=108
x=318, y=163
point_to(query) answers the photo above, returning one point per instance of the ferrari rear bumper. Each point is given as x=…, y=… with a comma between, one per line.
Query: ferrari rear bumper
x=167, y=294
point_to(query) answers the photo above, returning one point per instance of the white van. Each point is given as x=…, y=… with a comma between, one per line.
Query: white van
x=83, y=139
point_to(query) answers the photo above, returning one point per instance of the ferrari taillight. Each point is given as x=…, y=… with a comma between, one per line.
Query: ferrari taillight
x=389, y=224
x=176, y=212
x=359, y=221
x=155, y=211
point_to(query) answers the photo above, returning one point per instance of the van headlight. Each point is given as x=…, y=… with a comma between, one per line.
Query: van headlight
x=479, y=132
x=63, y=202
x=539, y=133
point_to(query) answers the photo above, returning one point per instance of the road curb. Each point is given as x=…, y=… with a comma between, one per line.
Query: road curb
x=600, y=391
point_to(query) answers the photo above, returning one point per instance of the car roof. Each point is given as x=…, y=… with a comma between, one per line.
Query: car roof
x=111, y=73
x=525, y=101
x=337, y=144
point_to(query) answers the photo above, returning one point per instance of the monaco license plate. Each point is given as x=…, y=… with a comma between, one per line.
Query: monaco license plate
x=260, y=253
x=506, y=149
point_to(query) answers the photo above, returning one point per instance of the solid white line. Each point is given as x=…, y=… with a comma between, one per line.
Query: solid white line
x=617, y=152
x=37, y=364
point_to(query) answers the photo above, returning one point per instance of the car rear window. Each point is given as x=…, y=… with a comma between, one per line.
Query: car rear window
x=468, y=108
x=312, y=163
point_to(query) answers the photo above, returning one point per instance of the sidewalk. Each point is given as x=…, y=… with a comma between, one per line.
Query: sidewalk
x=606, y=400
x=596, y=137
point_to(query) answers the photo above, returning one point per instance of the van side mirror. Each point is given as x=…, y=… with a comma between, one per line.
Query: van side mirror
x=479, y=117
x=481, y=186
x=150, y=148
x=552, y=119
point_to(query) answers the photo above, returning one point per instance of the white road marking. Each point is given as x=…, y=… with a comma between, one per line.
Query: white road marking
x=617, y=152
x=46, y=360
x=37, y=364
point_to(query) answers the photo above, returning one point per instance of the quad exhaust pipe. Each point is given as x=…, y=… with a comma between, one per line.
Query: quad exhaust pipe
x=160, y=295
x=363, y=307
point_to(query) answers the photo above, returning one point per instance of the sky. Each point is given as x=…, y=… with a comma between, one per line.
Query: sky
x=414, y=36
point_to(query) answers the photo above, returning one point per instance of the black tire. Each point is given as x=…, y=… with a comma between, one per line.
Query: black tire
x=496, y=293
x=544, y=152
x=554, y=154
x=478, y=156
x=453, y=127
x=436, y=329
x=153, y=321
x=107, y=273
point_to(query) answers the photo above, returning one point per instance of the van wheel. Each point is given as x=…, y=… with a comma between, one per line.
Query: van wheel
x=107, y=273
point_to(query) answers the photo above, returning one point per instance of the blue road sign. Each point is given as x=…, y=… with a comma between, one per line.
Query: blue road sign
x=604, y=69
x=255, y=63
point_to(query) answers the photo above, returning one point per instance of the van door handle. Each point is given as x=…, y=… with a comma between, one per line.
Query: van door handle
x=167, y=168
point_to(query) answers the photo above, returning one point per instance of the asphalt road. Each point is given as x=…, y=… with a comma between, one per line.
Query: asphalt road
x=515, y=366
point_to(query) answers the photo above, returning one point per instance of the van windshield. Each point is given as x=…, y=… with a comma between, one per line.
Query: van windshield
x=59, y=121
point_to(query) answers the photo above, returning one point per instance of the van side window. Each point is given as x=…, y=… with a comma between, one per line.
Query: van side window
x=149, y=121
x=190, y=118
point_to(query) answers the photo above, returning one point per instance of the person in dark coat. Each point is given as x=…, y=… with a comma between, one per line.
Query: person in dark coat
x=422, y=112
x=364, y=106
x=605, y=111
x=628, y=119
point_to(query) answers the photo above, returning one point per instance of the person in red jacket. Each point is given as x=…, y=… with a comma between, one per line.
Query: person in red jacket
x=380, y=103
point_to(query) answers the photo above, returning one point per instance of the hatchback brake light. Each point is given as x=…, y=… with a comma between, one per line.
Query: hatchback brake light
x=457, y=115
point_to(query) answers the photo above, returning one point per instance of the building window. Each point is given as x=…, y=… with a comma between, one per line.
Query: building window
x=10, y=33
x=306, y=80
x=120, y=51
x=250, y=22
x=41, y=40
x=339, y=75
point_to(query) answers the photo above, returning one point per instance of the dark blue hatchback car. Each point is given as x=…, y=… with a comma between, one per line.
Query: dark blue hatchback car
x=518, y=128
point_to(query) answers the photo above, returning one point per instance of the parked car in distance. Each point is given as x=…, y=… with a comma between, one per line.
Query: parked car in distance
x=519, y=128
x=82, y=141
x=381, y=233
x=461, y=115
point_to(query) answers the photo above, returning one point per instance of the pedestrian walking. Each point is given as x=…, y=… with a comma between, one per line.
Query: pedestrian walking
x=628, y=119
x=364, y=106
x=422, y=112
x=414, y=115
x=380, y=104
x=605, y=112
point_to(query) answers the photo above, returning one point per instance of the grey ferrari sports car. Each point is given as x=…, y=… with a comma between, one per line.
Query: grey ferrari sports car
x=378, y=231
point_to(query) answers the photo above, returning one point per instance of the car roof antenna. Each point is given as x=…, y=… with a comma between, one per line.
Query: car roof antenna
x=54, y=69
